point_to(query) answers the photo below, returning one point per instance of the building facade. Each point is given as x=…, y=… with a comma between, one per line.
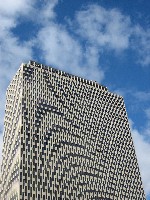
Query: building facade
x=66, y=138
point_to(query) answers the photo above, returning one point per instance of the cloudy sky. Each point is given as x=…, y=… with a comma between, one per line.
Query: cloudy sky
x=103, y=40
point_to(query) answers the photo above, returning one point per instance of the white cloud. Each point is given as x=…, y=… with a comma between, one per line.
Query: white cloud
x=47, y=12
x=141, y=43
x=105, y=28
x=63, y=50
x=13, y=7
x=112, y=30
x=5, y=24
x=100, y=28
x=147, y=129
x=139, y=96
x=11, y=12
x=12, y=52
x=142, y=148
x=148, y=113
x=142, y=95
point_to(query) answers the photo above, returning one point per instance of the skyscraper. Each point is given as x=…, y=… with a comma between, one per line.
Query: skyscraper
x=66, y=138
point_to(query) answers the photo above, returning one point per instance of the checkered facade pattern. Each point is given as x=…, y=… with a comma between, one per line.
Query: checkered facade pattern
x=9, y=187
x=66, y=138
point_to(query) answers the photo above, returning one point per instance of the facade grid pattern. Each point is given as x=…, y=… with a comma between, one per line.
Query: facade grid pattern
x=66, y=138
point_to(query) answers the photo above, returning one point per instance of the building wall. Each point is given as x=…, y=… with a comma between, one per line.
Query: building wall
x=9, y=188
x=75, y=140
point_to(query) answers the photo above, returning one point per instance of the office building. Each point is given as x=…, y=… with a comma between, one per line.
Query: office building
x=66, y=138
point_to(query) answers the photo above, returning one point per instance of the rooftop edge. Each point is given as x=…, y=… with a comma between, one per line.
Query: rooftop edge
x=59, y=72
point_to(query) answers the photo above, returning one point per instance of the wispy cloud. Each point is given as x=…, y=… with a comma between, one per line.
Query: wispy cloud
x=13, y=8
x=138, y=95
x=104, y=28
x=47, y=12
x=61, y=49
x=112, y=30
x=12, y=51
x=142, y=95
x=148, y=113
x=93, y=30
x=147, y=129
x=141, y=44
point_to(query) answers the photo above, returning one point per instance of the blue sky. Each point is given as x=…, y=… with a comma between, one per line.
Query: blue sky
x=103, y=40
